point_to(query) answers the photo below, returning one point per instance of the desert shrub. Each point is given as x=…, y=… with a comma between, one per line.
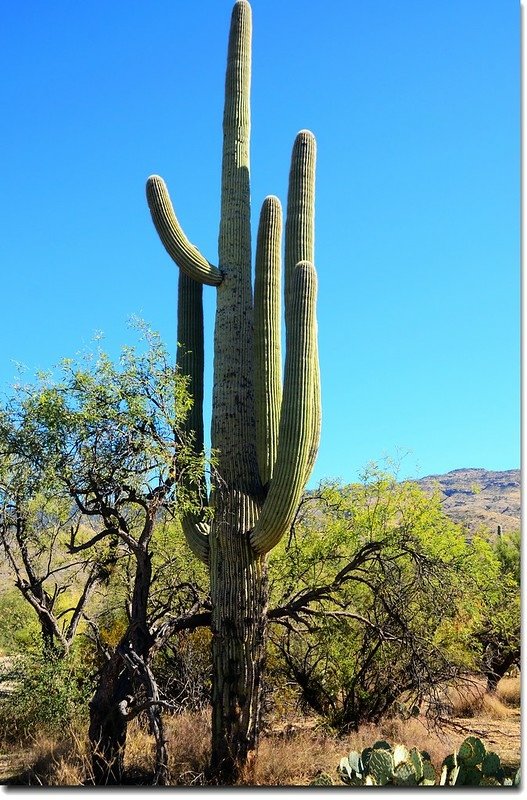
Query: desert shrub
x=46, y=693
x=370, y=574
x=183, y=670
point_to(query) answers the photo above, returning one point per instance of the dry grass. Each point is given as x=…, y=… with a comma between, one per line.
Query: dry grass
x=493, y=708
x=139, y=758
x=49, y=762
x=292, y=756
x=509, y=691
x=464, y=698
x=470, y=699
x=293, y=760
x=188, y=736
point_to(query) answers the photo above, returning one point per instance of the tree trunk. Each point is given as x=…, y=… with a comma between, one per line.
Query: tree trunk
x=117, y=688
x=497, y=665
x=108, y=723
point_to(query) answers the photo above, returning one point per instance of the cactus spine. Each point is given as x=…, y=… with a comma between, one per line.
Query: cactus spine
x=266, y=436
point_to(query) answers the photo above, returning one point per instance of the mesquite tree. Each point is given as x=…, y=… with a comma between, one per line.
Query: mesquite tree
x=106, y=441
x=265, y=435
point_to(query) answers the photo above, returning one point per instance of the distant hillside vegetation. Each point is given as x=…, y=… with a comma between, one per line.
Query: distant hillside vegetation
x=479, y=497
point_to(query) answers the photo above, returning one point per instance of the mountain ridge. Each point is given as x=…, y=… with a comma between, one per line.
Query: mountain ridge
x=477, y=497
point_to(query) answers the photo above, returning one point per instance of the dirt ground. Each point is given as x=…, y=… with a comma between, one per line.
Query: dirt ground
x=502, y=736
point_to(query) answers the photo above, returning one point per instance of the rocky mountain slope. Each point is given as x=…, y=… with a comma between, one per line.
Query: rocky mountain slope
x=479, y=497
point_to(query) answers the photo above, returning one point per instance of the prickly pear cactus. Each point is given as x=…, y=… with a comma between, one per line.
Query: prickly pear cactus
x=323, y=779
x=472, y=765
x=384, y=765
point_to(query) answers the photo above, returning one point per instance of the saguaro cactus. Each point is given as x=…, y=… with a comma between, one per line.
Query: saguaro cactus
x=266, y=436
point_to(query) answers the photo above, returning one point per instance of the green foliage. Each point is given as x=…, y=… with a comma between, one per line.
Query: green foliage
x=495, y=603
x=508, y=551
x=18, y=624
x=46, y=693
x=105, y=425
x=98, y=448
x=375, y=630
x=373, y=573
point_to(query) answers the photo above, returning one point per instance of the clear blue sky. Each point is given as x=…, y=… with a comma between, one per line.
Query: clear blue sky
x=415, y=107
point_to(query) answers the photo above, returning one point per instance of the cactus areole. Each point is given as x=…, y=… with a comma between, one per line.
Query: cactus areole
x=265, y=432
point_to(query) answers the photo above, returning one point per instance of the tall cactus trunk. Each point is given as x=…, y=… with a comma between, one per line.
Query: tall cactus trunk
x=237, y=589
x=239, y=596
x=265, y=437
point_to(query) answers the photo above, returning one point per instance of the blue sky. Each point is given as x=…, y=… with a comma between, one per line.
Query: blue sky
x=415, y=107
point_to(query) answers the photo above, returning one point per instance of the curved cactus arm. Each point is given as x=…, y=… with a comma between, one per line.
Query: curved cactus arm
x=296, y=420
x=190, y=361
x=186, y=255
x=197, y=536
x=267, y=336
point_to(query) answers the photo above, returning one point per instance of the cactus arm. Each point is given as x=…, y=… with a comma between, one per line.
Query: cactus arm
x=300, y=246
x=296, y=421
x=300, y=216
x=196, y=534
x=267, y=337
x=186, y=255
x=190, y=361
x=317, y=417
x=190, y=351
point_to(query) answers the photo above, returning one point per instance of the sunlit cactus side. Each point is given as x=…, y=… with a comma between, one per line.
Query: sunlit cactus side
x=265, y=432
